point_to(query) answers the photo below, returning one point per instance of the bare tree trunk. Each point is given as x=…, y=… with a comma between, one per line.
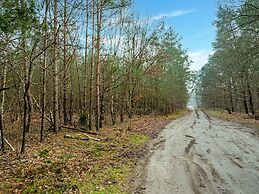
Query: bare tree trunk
x=98, y=63
x=29, y=104
x=130, y=103
x=2, y=133
x=232, y=101
x=250, y=99
x=91, y=67
x=79, y=87
x=26, y=125
x=2, y=110
x=113, y=113
x=122, y=110
x=71, y=101
x=26, y=86
x=56, y=76
x=245, y=103
x=101, y=110
x=86, y=52
x=65, y=115
x=43, y=100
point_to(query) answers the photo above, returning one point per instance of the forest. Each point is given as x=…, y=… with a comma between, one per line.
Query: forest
x=230, y=80
x=94, y=96
x=87, y=63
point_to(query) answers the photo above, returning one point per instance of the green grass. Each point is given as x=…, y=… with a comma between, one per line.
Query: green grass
x=67, y=156
x=177, y=114
x=44, y=179
x=41, y=186
x=138, y=139
x=6, y=187
x=103, y=180
x=43, y=153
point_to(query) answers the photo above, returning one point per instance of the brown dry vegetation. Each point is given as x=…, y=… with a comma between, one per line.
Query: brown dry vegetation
x=61, y=165
x=241, y=118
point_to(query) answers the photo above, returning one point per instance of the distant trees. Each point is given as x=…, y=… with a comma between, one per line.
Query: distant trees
x=230, y=79
x=93, y=60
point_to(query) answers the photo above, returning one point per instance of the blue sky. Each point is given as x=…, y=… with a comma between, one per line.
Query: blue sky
x=192, y=19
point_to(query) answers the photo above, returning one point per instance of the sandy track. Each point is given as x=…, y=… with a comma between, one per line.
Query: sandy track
x=196, y=154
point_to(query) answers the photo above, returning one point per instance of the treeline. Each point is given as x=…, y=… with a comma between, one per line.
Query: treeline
x=93, y=61
x=230, y=80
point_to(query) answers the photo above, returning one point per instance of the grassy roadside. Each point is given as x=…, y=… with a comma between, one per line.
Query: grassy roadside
x=62, y=165
x=177, y=114
x=236, y=117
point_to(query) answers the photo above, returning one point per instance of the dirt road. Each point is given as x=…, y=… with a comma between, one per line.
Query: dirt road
x=196, y=154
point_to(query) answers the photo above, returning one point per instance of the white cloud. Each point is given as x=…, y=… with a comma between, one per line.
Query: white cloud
x=199, y=58
x=171, y=14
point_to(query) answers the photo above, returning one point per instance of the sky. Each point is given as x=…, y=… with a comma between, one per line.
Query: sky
x=191, y=19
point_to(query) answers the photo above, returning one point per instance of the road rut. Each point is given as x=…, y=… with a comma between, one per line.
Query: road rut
x=203, y=155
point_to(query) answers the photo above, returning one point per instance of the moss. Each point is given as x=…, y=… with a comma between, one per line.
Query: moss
x=43, y=153
x=5, y=186
x=104, y=179
x=30, y=190
x=67, y=156
x=45, y=185
x=138, y=139
x=38, y=185
x=47, y=161
x=177, y=114
x=95, y=149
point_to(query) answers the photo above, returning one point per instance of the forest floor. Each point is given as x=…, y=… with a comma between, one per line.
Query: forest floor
x=241, y=118
x=103, y=164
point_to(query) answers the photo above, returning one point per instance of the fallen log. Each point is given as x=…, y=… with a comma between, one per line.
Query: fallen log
x=73, y=137
x=93, y=138
x=3, y=89
x=83, y=130
x=85, y=138
x=49, y=119
x=9, y=144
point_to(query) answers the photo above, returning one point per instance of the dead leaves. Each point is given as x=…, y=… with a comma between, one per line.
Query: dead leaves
x=65, y=164
x=237, y=117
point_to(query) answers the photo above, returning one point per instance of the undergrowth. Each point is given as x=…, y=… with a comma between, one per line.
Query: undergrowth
x=62, y=165
x=236, y=117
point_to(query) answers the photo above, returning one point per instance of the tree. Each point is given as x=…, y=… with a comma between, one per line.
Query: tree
x=55, y=71
x=44, y=69
x=2, y=108
x=62, y=71
x=232, y=69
